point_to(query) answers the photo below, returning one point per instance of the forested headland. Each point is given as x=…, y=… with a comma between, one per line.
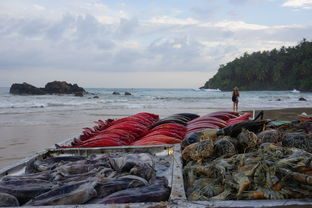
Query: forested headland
x=284, y=69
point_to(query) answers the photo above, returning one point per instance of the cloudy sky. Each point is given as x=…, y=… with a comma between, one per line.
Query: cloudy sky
x=137, y=43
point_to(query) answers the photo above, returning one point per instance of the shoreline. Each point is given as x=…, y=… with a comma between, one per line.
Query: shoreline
x=23, y=135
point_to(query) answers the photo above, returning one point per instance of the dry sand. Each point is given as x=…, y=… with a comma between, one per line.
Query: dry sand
x=25, y=134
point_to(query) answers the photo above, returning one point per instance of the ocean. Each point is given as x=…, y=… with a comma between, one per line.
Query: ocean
x=29, y=124
x=184, y=99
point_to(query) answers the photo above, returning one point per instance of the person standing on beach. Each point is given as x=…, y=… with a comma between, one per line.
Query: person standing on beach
x=235, y=95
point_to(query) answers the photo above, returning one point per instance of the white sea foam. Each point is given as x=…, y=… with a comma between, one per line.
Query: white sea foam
x=212, y=90
x=295, y=91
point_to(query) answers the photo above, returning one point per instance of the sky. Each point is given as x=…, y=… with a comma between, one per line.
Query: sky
x=137, y=43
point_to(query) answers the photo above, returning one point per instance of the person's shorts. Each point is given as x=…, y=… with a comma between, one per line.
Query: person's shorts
x=235, y=99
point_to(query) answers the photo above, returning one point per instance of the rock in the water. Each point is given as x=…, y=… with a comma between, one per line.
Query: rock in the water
x=96, y=97
x=302, y=99
x=116, y=93
x=62, y=87
x=78, y=94
x=56, y=87
x=127, y=93
x=25, y=89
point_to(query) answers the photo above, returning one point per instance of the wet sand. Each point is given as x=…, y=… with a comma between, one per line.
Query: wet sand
x=25, y=134
x=287, y=114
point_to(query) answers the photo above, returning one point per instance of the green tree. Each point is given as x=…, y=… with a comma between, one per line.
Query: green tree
x=283, y=69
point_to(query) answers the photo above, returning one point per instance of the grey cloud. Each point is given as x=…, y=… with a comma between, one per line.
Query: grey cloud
x=177, y=53
x=126, y=56
x=246, y=2
x=175, y=47
x=104, y=44
x=33, y=27
x=82, y=42
x=211, y=33
x=57, y=29
x=204, y=13
x=234, y=15
x=87, y=27
x=276, y=34
x=31, y=44
x=240, y=2
x=127, y=27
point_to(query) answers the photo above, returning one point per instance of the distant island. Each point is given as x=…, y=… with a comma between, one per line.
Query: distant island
x=285, y=69
x=55, y=87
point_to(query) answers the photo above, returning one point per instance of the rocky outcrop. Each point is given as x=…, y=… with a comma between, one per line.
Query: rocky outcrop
x=25, y=89
x=118, y=93
x=62, y=87
x=56, y=87
x=79, y=94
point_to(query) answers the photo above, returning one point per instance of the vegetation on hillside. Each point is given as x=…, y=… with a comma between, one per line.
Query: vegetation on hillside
x=285, y=69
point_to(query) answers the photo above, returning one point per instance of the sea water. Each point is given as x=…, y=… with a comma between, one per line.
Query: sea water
x=146, y=99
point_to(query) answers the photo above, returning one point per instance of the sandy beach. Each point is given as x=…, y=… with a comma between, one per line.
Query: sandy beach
x=287, y=114
x=25, y=134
